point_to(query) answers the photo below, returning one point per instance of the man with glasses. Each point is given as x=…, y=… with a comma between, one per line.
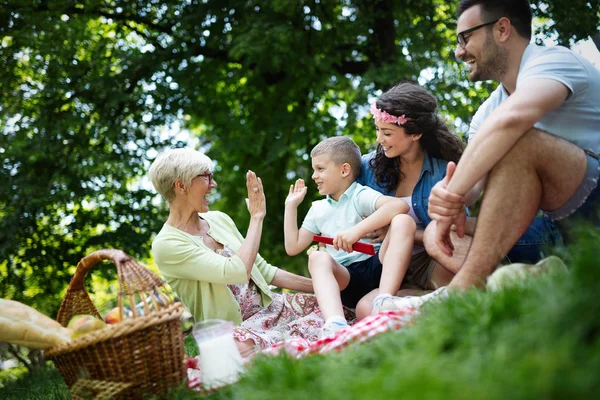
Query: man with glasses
x=533, y=144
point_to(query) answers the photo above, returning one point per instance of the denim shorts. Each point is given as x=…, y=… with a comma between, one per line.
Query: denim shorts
x=584, y=203
x=364, y=277
x=540, y=236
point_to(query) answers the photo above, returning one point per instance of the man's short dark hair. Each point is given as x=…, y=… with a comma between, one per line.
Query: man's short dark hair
x=517, y=11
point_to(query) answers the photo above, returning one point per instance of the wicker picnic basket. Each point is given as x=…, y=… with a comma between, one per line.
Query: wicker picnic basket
x=140, y=355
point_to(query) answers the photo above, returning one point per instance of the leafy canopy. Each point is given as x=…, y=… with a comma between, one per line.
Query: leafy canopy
x=91, y=90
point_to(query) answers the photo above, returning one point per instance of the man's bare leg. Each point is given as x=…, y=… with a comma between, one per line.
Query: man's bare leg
x=540, y=171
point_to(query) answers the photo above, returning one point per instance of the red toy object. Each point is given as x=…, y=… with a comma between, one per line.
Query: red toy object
x=358, y=246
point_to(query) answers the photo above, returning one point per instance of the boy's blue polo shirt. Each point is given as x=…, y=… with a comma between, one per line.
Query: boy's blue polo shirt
x=327, y=217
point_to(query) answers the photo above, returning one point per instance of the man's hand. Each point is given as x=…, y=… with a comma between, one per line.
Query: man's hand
x=442, y=233
x=447, y=208
x=296, y=194
x=444, y=205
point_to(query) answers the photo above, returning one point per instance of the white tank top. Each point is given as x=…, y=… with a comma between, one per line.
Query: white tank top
x=416, y=248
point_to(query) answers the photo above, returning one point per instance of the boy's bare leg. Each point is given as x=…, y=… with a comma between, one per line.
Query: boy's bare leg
x=364, y=307
x=396, y=258
x=540, y=171
x=328, y=278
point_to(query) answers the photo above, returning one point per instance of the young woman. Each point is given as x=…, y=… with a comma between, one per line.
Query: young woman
x=414, y=147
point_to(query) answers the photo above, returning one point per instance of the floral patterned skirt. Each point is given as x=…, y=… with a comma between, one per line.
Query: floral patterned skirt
x=290, y=315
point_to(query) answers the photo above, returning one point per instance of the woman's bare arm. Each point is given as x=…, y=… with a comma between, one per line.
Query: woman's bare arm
x=287, y=280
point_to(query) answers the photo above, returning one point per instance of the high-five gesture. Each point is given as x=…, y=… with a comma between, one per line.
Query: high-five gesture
x=256, y=196
x=296, y=194
x=295, y=239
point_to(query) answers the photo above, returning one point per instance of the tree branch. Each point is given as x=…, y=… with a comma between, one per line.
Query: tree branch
x=14, y=350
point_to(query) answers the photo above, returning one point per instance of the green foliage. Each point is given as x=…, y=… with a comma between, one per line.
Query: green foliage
x=570, y=20
x=90, y=91
x=191, y=348
x=43, y=384
x=10, y=375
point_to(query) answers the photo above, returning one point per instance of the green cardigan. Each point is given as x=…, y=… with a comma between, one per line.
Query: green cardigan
x=200, y=276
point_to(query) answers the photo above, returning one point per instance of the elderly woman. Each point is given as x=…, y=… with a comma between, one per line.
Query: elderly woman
x=215, y=270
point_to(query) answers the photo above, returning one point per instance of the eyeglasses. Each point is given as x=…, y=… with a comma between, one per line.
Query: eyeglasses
x=208, y=176
x=460, y=38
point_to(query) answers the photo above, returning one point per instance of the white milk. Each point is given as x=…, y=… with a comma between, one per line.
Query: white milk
x=220, y=360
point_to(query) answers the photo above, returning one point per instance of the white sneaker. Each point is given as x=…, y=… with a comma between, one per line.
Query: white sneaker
x=395, y=303
x=331, y=328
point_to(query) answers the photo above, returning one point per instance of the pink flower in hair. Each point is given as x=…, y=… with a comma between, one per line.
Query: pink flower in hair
x=383, y=116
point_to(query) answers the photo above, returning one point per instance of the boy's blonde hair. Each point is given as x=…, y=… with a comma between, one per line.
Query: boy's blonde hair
x=173, y=164
x=341, y=149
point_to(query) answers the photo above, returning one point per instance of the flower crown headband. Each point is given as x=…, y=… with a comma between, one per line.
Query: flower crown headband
x=383, y=116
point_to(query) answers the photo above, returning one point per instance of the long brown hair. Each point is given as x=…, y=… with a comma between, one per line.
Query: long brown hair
x=420, y=106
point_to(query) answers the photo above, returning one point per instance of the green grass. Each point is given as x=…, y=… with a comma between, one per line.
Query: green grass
x=538, y=339
x=43, y=384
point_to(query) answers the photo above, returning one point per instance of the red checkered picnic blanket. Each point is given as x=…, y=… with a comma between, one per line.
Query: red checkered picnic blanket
x=360, y=332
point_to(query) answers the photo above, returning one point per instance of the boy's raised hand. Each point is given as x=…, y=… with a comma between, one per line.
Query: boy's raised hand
x=345, y=239
x=296, y=194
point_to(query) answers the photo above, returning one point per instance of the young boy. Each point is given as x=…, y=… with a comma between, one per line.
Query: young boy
x=349, y=211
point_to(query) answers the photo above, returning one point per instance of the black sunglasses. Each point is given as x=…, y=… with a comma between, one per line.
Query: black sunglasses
x=460, y=38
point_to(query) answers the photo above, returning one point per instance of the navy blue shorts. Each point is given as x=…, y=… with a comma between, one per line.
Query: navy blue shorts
x=364, y=277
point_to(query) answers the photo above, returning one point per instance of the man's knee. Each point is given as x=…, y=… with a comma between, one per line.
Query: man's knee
x=555, y=164
x=537, y=147
x=526, y=148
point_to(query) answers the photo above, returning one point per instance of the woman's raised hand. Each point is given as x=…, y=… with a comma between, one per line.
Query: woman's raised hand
x=296, y=194
x=256, y=196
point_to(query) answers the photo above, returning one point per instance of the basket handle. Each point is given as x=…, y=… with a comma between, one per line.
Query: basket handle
x=76, y=299
x=86, y=263
x=134, y=280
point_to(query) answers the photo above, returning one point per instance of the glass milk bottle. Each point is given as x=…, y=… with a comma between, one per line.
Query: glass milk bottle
x=220, y=360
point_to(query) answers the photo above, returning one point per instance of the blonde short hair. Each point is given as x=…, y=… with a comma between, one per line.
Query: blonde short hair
x=341, y=149
x=173, y=164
